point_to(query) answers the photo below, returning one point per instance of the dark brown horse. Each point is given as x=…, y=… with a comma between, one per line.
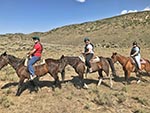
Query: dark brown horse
x=129, y=66
x=51, y=66
x=80, y=68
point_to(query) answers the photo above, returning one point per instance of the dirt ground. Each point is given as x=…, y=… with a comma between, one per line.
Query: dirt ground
x=133, y=98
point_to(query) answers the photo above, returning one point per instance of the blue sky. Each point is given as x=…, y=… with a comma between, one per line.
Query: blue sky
x=27, y=16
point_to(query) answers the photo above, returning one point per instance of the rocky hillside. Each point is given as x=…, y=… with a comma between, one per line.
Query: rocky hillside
x=118, y=31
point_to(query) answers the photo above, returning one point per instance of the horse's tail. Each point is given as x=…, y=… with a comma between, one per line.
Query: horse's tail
x=111, y=66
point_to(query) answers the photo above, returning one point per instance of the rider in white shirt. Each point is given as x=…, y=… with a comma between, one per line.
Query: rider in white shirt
x=135, y=54
x=88, y=52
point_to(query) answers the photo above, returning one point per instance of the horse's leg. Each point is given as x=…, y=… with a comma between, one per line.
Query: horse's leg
x=19, y=90
x=63, y=75
x=127, y=75
x=57, y=82
x=83, y=84
x=100, y=77
x=35, y=83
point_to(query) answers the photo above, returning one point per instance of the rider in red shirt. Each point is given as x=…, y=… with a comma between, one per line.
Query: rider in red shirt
x=35, y=55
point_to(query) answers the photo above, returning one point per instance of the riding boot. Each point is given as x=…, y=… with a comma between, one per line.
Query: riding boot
x=32, y=77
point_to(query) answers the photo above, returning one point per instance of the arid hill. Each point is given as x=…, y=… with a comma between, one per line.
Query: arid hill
x=118, y=31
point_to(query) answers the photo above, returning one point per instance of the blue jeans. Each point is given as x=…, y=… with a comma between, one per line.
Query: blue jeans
x=32, y=61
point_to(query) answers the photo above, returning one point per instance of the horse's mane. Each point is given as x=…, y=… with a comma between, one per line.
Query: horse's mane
x=16, y=59
x=123, y=56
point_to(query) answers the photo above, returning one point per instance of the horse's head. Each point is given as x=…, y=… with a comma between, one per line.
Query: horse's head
x=3, y=60
x=114, y=57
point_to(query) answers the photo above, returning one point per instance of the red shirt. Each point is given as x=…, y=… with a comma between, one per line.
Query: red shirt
x=39, y=49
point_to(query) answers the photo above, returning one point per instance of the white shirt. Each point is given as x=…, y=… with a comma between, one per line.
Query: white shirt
x=90, y=48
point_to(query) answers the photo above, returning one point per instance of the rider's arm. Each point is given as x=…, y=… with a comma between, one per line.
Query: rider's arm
x=89, y=49
x=135, y=53
x=32, y=51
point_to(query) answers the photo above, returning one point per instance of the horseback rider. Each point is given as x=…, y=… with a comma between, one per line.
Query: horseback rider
x=135, y=54
x=88, y=53
x=35, y=55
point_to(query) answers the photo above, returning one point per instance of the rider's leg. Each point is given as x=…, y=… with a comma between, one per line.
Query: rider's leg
x=88, y=58
x=137, y=58
x=30, y=66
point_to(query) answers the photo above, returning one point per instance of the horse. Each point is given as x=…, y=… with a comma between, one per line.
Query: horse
x=50, y=66
x=129, y=66
x=80, y=68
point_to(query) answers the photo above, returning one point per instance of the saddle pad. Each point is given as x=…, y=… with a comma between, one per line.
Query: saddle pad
x=82, y=58
x=95, y=59
x=142, y=61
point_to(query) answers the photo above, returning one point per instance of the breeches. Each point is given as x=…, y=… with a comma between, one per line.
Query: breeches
x=87, y=60
x=137, y=59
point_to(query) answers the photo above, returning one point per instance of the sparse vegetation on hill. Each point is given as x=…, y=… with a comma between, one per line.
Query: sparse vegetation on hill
x=118, y=31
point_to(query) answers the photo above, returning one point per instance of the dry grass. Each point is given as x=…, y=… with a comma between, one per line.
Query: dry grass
x=131, y=98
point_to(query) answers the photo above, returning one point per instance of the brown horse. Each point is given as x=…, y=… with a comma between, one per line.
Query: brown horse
x=80, y=68
x=129, y=66
x=51, y=66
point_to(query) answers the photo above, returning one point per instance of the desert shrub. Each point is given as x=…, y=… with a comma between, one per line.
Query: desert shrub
x=141, y=111
x=103, y=99
x=7, y=91
x=69, y=97
x=124, y=89
x=121, y=97
x=5, y=101
x=142, y=100
x=87, y=106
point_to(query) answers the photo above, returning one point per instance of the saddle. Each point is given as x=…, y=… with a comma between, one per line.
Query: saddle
x=40, y=62
x=93, y=60
x=142, y=61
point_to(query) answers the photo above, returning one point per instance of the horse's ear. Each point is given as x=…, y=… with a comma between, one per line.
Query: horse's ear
x=62, y=56
x=114, y=53
x=4, y=54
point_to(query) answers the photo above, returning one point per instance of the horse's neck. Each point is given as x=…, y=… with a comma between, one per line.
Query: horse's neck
x=73, y=61
x=122, y=60
x=13, y=61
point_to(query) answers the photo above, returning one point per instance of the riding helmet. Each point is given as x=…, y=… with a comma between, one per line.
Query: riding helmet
x=86, y=39
x=134, y=43
x=35, y=38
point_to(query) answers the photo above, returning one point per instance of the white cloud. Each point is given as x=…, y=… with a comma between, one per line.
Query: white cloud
x=81, y=1
x=124, y=12
x=132, y=11
x=147, y=9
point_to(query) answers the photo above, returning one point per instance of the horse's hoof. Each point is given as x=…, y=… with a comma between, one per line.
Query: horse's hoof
x=59, y=86
x=85, y=86
x=53, y=88
x=138, y=81
x=36, y=89
x=17, y=94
